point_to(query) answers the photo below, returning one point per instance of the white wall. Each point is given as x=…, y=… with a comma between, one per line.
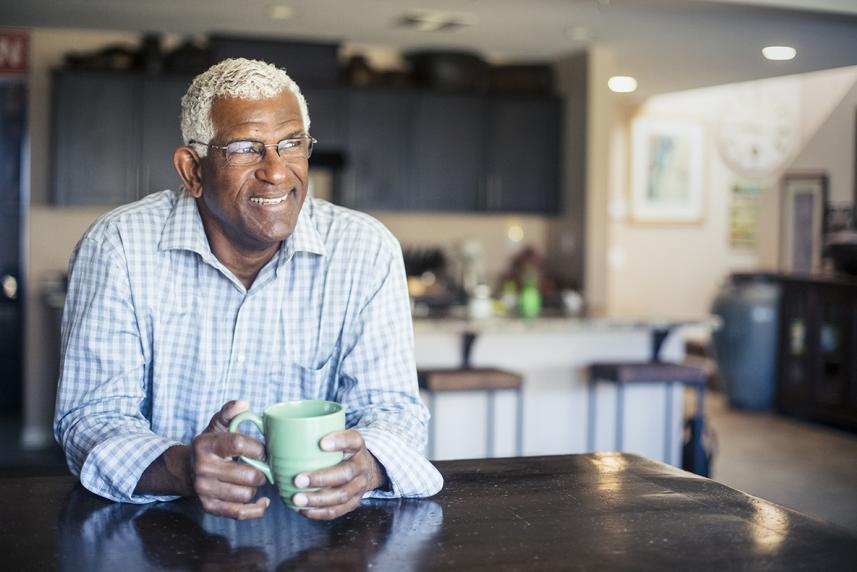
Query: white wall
x=662, y=270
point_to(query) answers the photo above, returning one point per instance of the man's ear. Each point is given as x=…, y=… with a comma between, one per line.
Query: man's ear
x=186, y=162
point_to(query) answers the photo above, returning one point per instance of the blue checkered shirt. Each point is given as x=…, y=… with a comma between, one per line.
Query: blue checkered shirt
x=157, y=335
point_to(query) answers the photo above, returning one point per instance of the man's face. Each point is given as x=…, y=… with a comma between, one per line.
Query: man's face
x=239, y=203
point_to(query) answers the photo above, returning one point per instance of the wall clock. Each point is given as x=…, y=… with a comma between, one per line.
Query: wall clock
x=756, y=132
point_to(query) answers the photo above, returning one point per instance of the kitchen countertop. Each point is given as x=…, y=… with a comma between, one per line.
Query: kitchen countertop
x=551, y=323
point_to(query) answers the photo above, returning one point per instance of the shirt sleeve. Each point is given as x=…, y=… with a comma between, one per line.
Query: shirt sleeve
x=378, y=384
x=100, y=419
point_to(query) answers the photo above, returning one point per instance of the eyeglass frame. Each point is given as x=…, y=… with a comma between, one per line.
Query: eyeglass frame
x=312, y=143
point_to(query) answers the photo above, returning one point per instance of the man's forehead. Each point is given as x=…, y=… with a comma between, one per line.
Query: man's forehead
x=231, y=112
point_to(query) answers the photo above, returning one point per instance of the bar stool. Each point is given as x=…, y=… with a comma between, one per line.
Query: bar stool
x=489, y=380
x=623, y=374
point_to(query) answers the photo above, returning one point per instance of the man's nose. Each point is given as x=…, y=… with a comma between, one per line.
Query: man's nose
x=273, y=168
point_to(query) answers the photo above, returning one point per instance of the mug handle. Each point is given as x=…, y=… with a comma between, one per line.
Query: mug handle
x=257, y=421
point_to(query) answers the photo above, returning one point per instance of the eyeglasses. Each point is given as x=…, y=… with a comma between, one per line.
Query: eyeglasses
x=251, y=152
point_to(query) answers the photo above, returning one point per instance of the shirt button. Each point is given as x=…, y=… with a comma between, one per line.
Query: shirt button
x=241, y=358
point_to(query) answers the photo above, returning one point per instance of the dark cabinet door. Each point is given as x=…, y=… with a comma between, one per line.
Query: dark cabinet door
x=523, y=142
x=96, y=137
x=161, y=132
x=448, y=157
x=378, y=142
x=325, y=113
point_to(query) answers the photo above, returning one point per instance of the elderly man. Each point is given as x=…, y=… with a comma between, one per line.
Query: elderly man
x=238, y=291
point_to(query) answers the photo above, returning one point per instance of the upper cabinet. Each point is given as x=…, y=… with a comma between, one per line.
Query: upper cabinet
x=416, y=150
x=523, y=154
x=161, y=131
x=96, y=138
x=114, y=135
x=447, y=160
x=378, y=145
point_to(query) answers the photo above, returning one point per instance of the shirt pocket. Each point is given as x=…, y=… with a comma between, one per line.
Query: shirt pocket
x=293, y=381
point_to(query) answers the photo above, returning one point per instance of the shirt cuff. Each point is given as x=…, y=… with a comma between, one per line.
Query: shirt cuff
x=408, y=472
x=114, y=467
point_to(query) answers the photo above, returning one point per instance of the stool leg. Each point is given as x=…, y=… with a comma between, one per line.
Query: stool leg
x=432, y=425
x=700, y=400
x=590, y=418
x=668, y=442
x=519, y=418
x=489, y=425
x=620, y=414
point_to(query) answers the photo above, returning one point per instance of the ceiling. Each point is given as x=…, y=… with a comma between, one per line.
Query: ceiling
x=668, y=45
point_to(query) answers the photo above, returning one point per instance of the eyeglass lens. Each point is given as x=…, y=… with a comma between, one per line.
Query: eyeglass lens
x=249, y=152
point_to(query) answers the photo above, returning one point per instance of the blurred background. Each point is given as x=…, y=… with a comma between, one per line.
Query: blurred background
x=569, y=180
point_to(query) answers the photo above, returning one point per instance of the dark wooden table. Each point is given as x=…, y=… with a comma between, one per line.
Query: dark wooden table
x=577, y=512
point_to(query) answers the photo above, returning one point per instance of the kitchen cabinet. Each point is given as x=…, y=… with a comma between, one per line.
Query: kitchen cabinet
x=448, y=161
x=378, y=143
x=817, y=377
x=325, y=112
x=523, y=143
x=96, y=137
x=114, y=134
x=161, y=131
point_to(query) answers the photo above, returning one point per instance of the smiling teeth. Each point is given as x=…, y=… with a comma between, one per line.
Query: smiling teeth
x=263, y=201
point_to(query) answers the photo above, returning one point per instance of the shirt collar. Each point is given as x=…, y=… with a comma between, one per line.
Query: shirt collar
x=184, y=231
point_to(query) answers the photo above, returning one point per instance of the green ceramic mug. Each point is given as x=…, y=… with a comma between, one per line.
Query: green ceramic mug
x=293, y=430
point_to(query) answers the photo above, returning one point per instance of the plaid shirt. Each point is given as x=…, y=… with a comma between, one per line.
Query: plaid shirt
x=157, y=335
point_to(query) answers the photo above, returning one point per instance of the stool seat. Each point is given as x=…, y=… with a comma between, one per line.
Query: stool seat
x=625, y=374
x=468, y=379
x=647, y=372
x=487, y=379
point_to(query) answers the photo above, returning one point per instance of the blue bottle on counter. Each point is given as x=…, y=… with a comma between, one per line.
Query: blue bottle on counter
x=745, y=346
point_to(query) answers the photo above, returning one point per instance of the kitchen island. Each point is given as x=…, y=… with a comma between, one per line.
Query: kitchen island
x=552, y=353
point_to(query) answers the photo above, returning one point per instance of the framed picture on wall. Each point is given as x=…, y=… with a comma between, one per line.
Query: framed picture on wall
x=667, y=170
x=802, y=223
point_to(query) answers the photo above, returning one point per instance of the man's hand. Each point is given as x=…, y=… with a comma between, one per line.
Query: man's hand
x=341, y=487
x=223, y=486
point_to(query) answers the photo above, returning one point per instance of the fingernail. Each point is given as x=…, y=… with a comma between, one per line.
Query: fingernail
x=302, y=481
x=327, y=444
x=267, y=502
x=299, y=499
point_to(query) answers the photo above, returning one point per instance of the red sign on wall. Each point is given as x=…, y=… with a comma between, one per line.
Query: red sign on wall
x=14, y=52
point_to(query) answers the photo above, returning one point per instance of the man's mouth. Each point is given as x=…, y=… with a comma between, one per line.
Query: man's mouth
x=270, y=201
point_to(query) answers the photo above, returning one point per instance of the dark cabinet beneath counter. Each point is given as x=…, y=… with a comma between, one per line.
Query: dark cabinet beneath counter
x=817, y=377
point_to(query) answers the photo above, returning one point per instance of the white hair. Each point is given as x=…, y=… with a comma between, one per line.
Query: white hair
x=239, y=78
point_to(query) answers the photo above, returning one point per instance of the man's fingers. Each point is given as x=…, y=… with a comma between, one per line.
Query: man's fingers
x=331, y=512
x=236, y=510
x=221, y=419
x=224, y=491
x=227, y=471
x=349, y=441
x=334, y=476
x=228, y=445
x=332, y=496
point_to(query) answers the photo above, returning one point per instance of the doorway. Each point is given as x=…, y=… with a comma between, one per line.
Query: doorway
x=13, y=108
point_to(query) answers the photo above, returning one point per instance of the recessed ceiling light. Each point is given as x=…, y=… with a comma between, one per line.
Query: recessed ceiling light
x=622, y=84
x=436, y=21
x=578, y=33
x=779, y=53
x=281, y=12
